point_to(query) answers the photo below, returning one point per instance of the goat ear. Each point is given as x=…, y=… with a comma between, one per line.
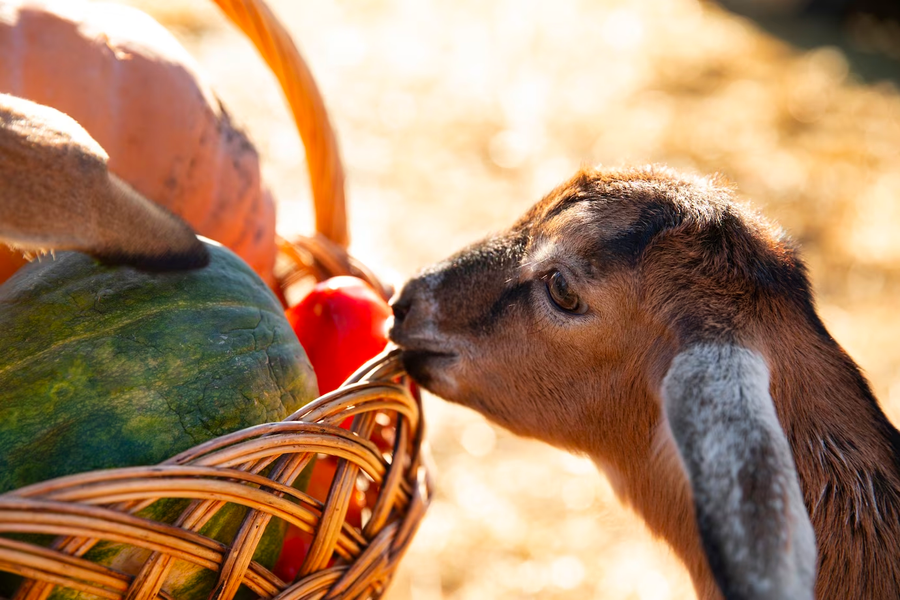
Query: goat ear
x=754, y=526
x=56, y=191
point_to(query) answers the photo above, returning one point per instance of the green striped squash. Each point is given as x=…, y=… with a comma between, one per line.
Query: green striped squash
x=104, y=367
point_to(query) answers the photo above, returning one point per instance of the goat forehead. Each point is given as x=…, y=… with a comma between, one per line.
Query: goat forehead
x=578, y=232
x=574, y=249
x=595, y=217
x=617, y=197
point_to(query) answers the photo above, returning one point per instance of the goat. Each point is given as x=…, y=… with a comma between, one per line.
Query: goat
x=56, y=192
x=645, y=319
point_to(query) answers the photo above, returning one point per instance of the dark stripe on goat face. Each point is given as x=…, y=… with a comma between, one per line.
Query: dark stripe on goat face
x=517, y=297
x=478, y=280
x=653, y=219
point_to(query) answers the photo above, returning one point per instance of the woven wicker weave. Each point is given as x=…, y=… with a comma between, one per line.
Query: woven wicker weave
x=254, y=467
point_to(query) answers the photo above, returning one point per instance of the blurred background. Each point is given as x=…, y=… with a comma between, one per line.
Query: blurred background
x=454, y=116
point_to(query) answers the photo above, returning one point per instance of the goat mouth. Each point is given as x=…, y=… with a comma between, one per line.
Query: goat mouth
x=424, y=365
x=417, y=355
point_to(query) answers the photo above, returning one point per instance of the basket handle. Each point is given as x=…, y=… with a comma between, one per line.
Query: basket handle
x=326, y=174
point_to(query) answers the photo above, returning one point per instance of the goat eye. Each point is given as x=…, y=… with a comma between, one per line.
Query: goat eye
x=563, y=297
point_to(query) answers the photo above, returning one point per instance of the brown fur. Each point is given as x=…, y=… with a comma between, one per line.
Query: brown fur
x=663, y=261
x=56, y=192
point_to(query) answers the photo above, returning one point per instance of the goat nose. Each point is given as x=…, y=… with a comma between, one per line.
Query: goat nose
x=414, y=308
x=401, y=308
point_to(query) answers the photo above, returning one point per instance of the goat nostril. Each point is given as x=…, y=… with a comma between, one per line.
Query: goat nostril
x=401, y=309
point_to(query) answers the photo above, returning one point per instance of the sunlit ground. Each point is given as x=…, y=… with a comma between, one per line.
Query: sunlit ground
x=455, y=115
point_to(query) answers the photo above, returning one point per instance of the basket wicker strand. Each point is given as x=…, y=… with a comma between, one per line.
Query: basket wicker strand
x=254, y=467
x=326, y=174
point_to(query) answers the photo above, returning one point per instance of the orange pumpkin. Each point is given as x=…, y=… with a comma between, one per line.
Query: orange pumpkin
x=137, y=91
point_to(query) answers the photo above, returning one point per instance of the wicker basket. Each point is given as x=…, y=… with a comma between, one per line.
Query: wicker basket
x=254, y=467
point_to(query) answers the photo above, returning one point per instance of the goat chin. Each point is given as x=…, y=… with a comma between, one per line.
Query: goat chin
x=646, y=319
